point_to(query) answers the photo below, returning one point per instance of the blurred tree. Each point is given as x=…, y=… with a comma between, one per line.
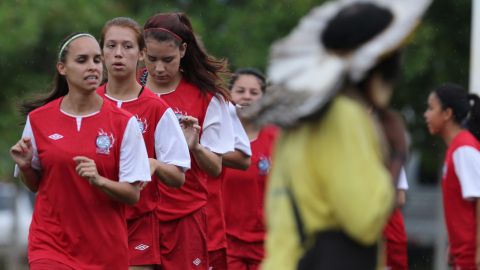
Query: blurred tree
x=241, y=31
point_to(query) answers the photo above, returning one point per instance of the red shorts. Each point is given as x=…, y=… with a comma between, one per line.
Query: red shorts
x=218, y=259
x=397, y=258
x=464, y=268
x=143, y=240
x=47, y=264
x=183, y=242
x=242, y=255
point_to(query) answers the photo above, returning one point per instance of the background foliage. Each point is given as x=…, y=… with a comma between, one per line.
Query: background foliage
x=238, y=30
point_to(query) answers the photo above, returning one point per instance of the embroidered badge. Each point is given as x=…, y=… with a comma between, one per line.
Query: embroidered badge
x=142, y=123
x=263, y=165
x=179, y=114
x=104, y=142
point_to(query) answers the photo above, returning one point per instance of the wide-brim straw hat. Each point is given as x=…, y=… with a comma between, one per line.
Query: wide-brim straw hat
x=305, y=76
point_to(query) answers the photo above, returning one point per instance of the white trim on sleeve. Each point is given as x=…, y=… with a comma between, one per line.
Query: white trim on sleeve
x=402, y=180
x=28, y=132
x=170, y=144
x=134, y=164
x=466, y=160
x=242, y=142
x=217, y=130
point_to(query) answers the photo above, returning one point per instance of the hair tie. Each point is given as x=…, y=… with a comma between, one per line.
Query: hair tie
x=70, y=40
x=165, y=30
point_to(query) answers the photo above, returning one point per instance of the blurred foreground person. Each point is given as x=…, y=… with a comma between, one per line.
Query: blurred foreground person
x=330, y=192
x=454, y=115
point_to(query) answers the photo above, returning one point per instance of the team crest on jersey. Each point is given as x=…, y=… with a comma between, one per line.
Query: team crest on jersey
x=104, y=142
x=179, y=114
x=263, y=165
x=142, y=123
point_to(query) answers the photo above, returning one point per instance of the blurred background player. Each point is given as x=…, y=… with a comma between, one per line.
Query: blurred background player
x=244, y=191
x=454, y=115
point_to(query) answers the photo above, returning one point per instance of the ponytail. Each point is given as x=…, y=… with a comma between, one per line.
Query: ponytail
x=60, y=85
x=473, y=121
x=197, y=66
x=59, y=89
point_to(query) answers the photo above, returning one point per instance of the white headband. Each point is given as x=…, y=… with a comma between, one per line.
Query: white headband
x=70, y=40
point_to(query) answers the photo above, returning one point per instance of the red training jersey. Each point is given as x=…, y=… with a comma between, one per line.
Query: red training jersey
x=74, y=222
x=175, y=203
x=244, y=191
x=460, y=214
x=149, y=110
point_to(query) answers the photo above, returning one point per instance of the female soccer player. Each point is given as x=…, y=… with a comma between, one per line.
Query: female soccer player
x=454, y=115
x=123, y=46
x=244, y=191
x=85, y=163
x=188, y=79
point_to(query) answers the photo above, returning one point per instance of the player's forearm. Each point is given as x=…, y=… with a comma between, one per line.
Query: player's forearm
x=120, y=191
x=169, y=174
x=236, y=159
x=208, y=161
x=30, y=178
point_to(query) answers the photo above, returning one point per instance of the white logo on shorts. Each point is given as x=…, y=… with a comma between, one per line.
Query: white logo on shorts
x=142, y=247
x=197, y=262
x=55, y=136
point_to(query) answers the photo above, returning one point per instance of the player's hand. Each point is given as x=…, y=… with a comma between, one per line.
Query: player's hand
x=191, y=130
x=87, y=169
x=22, y=153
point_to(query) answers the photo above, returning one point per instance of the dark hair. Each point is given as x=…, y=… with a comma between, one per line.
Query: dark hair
x=59, y=82
x=354, y=25
x=465, y=107
x=198, y=67
x=388, y=68
x=248, y=71
x=127, y=23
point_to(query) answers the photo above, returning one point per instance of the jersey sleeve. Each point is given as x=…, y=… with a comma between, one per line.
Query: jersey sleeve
x=134, y=164
x=217, y=132
x=241, y=141
x=402, y=180
x=466, y=160
x=28, y=133
x=170, y=144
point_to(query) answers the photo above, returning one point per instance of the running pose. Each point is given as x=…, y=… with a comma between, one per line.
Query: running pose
x=244, y=191
x=123, y=46
x=188, y=79
x=85, y=162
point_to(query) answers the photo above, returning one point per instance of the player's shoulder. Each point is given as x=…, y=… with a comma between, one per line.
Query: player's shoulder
x=47, y=109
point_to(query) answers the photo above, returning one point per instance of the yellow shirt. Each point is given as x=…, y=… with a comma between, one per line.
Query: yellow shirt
x=338, y=179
